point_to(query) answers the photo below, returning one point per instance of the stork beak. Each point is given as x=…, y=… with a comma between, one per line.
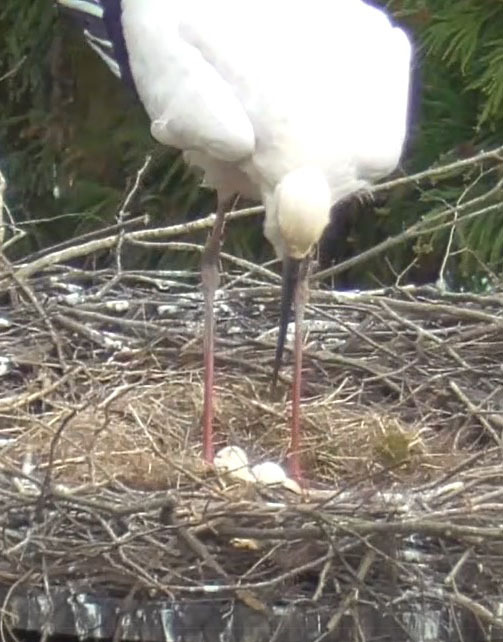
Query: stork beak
x=291, y=272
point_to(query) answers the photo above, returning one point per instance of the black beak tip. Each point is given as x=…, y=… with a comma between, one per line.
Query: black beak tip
x=274, y=386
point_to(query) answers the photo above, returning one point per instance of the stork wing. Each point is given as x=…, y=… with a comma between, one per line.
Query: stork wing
x=190, y=104
x=204, y=115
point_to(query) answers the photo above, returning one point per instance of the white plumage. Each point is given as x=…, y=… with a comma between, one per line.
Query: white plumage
x=258, y=89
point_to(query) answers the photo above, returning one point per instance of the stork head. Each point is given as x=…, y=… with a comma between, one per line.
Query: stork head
x=302, y=202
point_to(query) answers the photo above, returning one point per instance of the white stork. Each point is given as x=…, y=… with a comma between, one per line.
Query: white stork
x=296, y=103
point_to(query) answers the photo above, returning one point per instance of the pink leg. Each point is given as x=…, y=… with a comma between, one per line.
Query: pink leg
x=300, y=302
x=210, y=282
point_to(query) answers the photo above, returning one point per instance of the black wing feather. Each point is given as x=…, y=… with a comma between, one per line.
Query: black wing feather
x=100, y=22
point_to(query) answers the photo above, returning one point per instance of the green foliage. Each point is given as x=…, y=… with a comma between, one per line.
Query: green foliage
x=466, y=35
x=26, y=35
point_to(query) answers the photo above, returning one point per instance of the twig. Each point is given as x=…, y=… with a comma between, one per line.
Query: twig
x=443, y=170
x=17, y=401
x=451, y=576
x=350, y=596
x=474, y=410
x=476, y=608
x=84, y=249
x=23, y=285
x=3, y=185
x=200, y=549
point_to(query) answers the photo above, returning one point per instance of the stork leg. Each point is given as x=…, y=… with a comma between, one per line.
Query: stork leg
x=210, y=281
x=294, y=289
x=301, y=291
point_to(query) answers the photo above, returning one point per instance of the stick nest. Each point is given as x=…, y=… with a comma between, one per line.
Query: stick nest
x=101, y=479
